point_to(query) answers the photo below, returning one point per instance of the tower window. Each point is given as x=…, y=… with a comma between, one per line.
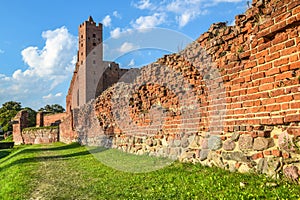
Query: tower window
x=81, y=44
x=94, y=62
x=94, y=44
x=94, y=35
x=81, y=36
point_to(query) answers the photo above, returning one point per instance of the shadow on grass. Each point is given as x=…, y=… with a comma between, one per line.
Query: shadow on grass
x=26, y=149
x=4, y=153
x=64, y=147
x=50, y=158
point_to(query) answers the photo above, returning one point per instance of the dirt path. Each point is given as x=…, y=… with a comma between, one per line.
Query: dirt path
x=48, y=174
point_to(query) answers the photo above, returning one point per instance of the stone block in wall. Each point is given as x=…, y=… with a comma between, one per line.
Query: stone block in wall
x=214, y=142
x=269, y=166
x=291, y=172
x=285, y=142
x=216, y=159
x=245, y=142
x=203, y=154
x=236, y=156
x=229, y=145
x=261, y=143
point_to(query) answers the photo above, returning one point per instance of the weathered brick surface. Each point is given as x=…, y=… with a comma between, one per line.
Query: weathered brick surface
x=40, y=136
x=67, y=133
x=19, y=123
x=36, y=135
x=53, y=119
x=233, y=80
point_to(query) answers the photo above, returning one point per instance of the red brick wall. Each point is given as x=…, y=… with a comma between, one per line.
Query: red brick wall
x=52, y=119
x=230, y=99
x=19, y=123
x=36, y=135
x=66, y=129
x=39, y=119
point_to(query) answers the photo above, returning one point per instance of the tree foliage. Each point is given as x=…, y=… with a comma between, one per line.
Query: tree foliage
x=55, y=108
x=10, y=109
x=7, y=112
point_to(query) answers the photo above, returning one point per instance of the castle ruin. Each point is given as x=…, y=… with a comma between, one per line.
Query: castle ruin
x=257, y=61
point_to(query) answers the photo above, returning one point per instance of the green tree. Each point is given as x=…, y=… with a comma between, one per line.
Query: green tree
x=55, y=108
x=7, y=112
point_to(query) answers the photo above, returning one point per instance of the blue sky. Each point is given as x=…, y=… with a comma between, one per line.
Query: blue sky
x=38, y=39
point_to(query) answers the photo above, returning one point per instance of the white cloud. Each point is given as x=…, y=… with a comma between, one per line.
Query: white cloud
x=115, y=33
x=106, y=21
x=46, y=69
x=143, y=4
x=117, y=15
x=131, y=63
x=184, y=19
x=2, y=51
x=150, y=21
x=56, y=57
x=51, y=96
x=184, y=11
x=126, y=47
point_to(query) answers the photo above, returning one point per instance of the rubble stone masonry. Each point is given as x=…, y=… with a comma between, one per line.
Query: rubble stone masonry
x=230, y=99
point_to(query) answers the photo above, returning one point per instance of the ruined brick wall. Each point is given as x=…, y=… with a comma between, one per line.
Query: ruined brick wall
x=67, y=133
x=19, y=123
x=110, y=76
x=39, y=119
x=230, y=99
x=53, y=119
x=40, y=135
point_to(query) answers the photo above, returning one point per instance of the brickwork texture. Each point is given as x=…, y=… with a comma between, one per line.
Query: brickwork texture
x=230, y=99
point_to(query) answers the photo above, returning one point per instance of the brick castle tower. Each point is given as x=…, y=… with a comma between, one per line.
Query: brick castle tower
x=92, y=74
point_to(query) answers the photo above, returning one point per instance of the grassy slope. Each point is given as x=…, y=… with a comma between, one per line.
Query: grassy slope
x=70, y=172
x=16, y=172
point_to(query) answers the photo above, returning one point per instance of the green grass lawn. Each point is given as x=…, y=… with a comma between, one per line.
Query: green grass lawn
x=62, y=171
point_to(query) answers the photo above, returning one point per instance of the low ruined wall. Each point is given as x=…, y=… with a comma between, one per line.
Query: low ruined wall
x=53, y=119
x=44, y=135
x=230, y=99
